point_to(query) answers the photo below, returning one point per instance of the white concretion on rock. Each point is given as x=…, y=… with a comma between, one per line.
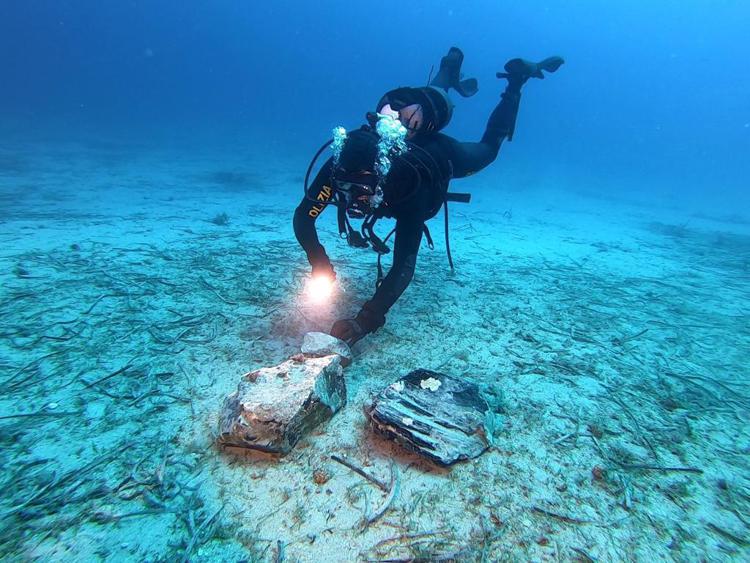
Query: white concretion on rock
x=430, y=383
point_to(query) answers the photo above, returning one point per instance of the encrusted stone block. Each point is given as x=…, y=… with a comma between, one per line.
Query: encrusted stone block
x=276, y=406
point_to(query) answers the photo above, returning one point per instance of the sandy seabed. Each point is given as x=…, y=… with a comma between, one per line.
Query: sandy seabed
x=136, y=288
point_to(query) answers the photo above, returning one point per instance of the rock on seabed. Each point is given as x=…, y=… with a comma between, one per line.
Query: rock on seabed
x=322, y=344
x=435, y=415
x=274, y=407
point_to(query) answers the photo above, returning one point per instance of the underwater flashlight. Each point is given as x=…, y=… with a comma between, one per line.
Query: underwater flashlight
x=319, y=288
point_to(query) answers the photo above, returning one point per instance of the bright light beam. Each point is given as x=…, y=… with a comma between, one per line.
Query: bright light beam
x=319, y=288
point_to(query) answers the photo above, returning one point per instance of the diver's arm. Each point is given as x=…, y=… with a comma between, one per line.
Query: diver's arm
x=312, y=205
x=372, y=315
x=408, y=237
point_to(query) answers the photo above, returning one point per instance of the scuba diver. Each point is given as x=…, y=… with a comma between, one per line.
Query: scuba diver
x=399, y=166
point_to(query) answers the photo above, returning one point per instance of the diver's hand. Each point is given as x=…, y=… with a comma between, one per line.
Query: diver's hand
x=352, y=331
x=322, y=283
x=348, y=330
x=324, y=269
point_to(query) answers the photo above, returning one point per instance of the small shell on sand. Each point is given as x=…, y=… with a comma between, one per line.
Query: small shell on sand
x=321, y=476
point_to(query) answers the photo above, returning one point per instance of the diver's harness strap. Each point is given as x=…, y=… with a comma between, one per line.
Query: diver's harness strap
x=367, y=237
x=459, y=198
x=353, y=238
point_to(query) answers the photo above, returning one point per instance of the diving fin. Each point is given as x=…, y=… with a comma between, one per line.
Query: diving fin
x=523, y=69
x=449, y=75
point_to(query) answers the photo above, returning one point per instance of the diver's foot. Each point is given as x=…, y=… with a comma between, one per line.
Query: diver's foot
x=520, y=70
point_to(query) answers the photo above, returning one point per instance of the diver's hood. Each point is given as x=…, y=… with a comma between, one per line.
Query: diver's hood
x=437, y=107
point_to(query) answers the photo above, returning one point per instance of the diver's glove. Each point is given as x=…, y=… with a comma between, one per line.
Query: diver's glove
x=353, y=330
x=518, y=71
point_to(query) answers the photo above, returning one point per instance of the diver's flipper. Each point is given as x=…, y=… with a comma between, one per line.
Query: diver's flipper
x=550, y=64
x=523, y=70
x=467, y=88
x=449, y=75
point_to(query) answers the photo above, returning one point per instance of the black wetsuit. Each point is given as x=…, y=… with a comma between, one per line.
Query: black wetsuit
x=408, y=200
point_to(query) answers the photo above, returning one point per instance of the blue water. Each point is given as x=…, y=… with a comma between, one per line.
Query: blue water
x=655, y=93
x=128, y=128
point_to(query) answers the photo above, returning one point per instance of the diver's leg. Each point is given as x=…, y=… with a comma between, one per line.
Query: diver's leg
x=502, y=122
x=472, y=157
x=468, y=158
